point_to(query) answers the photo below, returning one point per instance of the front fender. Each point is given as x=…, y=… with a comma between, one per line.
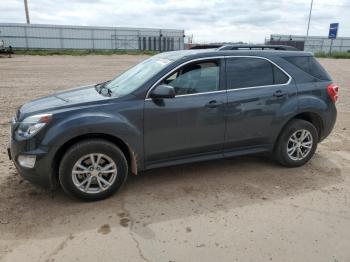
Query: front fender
x=116, y=125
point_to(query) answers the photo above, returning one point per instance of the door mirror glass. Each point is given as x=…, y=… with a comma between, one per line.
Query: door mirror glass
x=162, y=91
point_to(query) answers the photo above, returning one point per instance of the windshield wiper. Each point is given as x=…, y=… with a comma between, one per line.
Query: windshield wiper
x=102, y=89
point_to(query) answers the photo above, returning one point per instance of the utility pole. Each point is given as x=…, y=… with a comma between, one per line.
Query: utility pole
x=27, y=11
x=308, y=24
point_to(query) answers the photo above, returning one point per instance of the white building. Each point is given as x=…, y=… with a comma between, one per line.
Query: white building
x=36, y=36
x=314, y=43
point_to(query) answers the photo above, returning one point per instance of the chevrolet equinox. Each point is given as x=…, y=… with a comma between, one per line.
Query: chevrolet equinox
x=175, y=108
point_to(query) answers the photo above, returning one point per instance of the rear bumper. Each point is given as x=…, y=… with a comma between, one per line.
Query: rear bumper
x=329, y=120
x=43, y=173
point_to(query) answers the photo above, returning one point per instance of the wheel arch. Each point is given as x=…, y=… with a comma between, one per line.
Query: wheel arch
x=314, y=119
x=309, y=116
x=130, y=155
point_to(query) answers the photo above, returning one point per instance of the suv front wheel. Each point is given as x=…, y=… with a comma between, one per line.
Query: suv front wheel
x=297, y=143
x=93, y=170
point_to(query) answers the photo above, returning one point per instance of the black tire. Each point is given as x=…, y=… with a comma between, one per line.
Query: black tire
x=97, y=146
x=280, y=151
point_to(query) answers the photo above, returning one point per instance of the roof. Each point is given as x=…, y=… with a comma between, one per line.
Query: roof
x=258, y=47
x=245, y=47
x=199, y=53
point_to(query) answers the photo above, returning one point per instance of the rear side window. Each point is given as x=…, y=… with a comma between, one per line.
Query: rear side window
x=252, y=72
x=309, y=65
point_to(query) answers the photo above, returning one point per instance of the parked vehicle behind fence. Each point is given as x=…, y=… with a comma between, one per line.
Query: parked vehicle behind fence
x=5, y=49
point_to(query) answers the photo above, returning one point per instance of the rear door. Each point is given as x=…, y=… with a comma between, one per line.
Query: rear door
x=258, y=90
x=193, y=123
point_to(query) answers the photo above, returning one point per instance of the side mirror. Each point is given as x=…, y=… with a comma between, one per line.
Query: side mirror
x=162, y=91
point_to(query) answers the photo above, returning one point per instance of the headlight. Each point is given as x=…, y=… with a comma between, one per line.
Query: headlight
x=32, y=124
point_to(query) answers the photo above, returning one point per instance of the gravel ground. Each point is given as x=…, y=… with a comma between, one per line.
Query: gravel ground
x=240, y=209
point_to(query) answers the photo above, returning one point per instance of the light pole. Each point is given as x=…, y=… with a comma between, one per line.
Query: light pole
x=27, y=11
x=308, y=24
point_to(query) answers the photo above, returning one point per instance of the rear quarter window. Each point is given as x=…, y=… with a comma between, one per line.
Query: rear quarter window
x=246, y=72
x=310, y=66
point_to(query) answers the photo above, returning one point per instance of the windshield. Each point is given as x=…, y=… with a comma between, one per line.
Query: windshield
x=137, y=75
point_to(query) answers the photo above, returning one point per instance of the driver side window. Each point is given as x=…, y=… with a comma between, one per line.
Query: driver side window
x=200, y=77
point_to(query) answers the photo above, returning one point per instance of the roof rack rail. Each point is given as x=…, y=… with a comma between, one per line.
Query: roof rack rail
x=258, y=47
x=207, y=46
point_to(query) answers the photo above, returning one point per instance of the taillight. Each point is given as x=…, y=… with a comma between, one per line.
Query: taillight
x=332, y=91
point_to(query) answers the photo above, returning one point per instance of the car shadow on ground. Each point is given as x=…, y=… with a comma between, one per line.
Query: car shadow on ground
x=160, y=195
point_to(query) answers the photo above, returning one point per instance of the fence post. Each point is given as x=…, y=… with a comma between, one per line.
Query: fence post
x=341, y=45
x=92, y=38
x=160, y=40
x=139, y=39
x=61, y=37
x=26, y=37
x=330, y=48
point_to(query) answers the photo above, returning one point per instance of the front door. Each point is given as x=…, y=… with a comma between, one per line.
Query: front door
x=193, y=123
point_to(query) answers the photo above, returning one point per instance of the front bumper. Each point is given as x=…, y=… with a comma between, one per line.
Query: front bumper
x=43, y=172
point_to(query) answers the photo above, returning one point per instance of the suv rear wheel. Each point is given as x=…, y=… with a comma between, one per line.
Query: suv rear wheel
x=93, y=170
x=297, y=143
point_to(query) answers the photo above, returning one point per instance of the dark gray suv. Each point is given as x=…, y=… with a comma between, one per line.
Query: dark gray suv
x=174, y=108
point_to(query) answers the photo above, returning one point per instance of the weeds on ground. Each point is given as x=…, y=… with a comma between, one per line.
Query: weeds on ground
x=335, y=55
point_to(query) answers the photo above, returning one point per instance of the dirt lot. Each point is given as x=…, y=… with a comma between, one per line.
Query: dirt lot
x=240, y=209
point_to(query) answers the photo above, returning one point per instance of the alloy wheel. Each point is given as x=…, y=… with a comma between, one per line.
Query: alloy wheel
x=299, y=144
x=94, y=173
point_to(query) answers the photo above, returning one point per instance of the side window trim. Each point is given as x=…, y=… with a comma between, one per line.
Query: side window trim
x=218, y=66
x=221, y=67
x=261, y=86
x=202, y=60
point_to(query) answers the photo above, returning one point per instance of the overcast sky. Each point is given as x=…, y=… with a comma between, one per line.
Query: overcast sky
x=214, y=20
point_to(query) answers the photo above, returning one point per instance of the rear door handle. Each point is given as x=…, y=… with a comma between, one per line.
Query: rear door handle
x=279, y=93
x=213, y=104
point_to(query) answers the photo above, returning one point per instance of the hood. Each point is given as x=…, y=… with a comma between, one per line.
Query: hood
x=73, y=97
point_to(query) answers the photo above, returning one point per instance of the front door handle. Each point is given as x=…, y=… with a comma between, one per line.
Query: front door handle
x=213, y=104
x=279, y=93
